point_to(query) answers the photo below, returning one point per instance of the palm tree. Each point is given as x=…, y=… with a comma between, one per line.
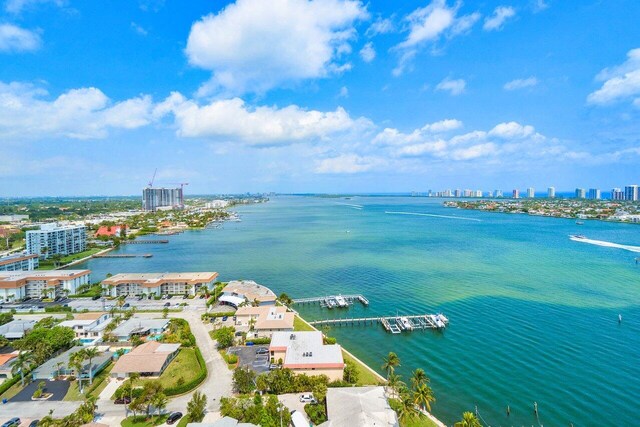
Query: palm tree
x=76, y=362
x=391, y=362
x=407, y=409
x=133, y=377
x=21, y=364
x=468, y=420
x=160, y=401
x=394, y=382
x=423, y=396
x=418, y=378
x=197, y=406
x=90, y=353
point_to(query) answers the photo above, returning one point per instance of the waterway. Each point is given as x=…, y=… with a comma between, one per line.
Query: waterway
x=533, y=315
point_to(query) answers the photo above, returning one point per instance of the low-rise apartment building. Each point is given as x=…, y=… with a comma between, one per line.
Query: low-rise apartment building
x=306, y=353
x=53, y=239
x=19, y=262
x=263, y=321
x=158, y=283
x=15, y=285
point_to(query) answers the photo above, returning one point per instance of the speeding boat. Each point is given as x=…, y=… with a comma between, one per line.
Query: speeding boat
x=577, y=236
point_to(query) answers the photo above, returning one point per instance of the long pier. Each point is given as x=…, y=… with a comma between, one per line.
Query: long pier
x=394, y=324
x=122, y=256
x=142, y=242
x=332, y=301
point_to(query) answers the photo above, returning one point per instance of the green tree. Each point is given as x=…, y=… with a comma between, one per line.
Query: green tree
x=351, y=373
x=160, y=402
x=244, y=380
x=395, y=383
x=90, y=353
x=196, y=407
x=133, y=377
x=76, y=362
x=423, y=396
x=390, y=363
x=406, y=409
x=165, y=312
x=22, y=363
x=418, y=377
x=224, y=336
x=468, y=420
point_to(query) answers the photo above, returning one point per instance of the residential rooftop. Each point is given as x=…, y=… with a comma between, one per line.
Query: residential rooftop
x=306, y=350
x=148, y=357
x=139, y=326
x=157, y=279
x=358, y=406
x=16, y=328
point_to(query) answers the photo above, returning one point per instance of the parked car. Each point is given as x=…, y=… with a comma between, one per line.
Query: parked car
x=12, y=422
x=141, y=297
x=96, y=297
x=175, y=416
x=169, y=296
x=307, y=398
x=274, y=366
x=165, y=296
x=167, y=304
x=124, y=400
x=224, y=318
x=126, y=305
x=262, y=350
x=34, y=423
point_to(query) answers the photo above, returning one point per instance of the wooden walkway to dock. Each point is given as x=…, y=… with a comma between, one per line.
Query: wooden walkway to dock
x=394, y=324
x=324, y=301
x=142, y=242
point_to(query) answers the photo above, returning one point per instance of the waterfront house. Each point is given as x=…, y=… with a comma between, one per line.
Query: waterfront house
x=149, y=360
x=240, y=292
x=16, y=329
x=158, y=284
x=265, y=320
x=306, y=353
x=359, y=406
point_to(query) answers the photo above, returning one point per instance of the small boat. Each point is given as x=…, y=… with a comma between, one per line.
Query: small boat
x=440, y=320
x=331, y=303
x=341, y=301
x=577, y=236
x=579, y=223
x=406, y=325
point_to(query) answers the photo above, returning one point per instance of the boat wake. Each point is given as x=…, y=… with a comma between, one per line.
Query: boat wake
x=605, y=244
x=359, y=207
x=432, y=215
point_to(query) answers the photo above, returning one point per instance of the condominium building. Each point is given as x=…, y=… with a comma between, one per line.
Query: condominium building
x=264, y=321
x=551, y=192
x=617, y=194
x=15, y=285
x=19, y=262
x=498, y=193
x=631, y=193
x=154, y=199
x=594, y=194
x=580, y=193
x=52, y=239
x=515, y=194
x=531, y=193
x=306, y=353
x=158, y=283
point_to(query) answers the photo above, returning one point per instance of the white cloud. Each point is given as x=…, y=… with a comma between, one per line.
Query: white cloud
x=620, y=82
x=454, y=87
x=390, y=136
x=254, y=46
x=380, y=26
x=368, y=53
x=429, y=24
x=344, y=92
x=17, y=6
x=84, y=113
x=348, y=164
x=511, y=130
x=500, y=15
x=521, y=83
x=539, y=5
x=139, y=29
x=16, y=39
x=443, y=126
x=232, y=119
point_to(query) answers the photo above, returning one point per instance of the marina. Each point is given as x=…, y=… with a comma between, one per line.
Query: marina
x=394, y=324
x=334, y=301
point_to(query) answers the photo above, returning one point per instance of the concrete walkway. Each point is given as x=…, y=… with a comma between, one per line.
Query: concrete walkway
x=111, y=388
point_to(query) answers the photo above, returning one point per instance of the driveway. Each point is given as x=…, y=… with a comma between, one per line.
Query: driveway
x=58, y=388
x=292, y=401
x=247, y=357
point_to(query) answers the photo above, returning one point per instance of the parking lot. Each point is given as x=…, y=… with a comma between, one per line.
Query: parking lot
x=247, y=357
x=140, y=304
x=34, y=304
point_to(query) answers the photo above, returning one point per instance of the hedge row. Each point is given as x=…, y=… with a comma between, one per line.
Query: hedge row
x=214, y=315
x=260, y=341
x=9, y=383
x=187, y=387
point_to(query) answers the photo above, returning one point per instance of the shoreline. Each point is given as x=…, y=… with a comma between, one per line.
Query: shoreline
x=81, y=260
x=370, y=369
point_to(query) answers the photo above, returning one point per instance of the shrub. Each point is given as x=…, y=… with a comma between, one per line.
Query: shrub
x=37, y=394
x=260, y=340
x=316, y=413
x=186, y=387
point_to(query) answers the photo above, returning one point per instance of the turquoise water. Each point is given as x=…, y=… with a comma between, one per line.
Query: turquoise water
x=534, y=315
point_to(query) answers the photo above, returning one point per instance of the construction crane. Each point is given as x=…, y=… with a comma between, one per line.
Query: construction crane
x=153, y=178
x=181, y=184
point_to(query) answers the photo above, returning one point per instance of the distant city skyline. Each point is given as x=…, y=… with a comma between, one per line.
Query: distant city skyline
x=333, y=96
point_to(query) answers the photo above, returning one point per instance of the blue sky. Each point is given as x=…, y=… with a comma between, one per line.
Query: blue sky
x=317, y=96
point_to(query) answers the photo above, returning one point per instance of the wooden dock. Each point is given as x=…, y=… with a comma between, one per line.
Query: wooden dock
x=394, y=324
x=330, y=301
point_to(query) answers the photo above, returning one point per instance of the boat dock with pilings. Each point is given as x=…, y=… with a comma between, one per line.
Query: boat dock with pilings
x=333, y=301
x=394, y=324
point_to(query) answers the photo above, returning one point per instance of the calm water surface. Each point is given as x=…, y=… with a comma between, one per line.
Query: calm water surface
x=534, y=316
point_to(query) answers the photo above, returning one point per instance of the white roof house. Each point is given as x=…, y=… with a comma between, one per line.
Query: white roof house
x=16, y=328
x=139, y=326
x=359, y=406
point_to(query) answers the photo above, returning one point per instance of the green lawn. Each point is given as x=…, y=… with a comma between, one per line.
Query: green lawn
x=140, y=421
x=418, y=421
x=99, y=384
x=14, y=389
x=48, y=264
x=301, y=325
x=365, y=377
x=184, y=366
